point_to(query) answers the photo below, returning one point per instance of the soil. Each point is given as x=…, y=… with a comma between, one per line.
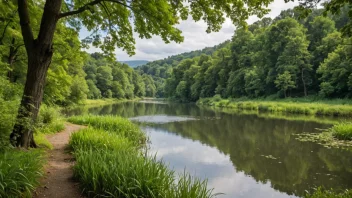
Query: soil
x=58, y=181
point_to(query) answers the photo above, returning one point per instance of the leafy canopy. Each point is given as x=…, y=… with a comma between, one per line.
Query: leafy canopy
x=112, y=22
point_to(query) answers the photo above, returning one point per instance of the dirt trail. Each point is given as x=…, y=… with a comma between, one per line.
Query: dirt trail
x=58, y=182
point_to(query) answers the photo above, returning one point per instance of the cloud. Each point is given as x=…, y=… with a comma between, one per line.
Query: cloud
x=195, y=37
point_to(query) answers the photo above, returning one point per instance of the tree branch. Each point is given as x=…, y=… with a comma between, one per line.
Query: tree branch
x=79, y=10
x=86, y=7
x=27, y=33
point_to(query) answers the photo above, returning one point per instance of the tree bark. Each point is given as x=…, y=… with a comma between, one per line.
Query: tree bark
x=11, y=59
x=39, y=52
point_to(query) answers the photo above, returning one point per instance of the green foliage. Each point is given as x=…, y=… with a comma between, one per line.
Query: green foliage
x=109, y=162
x=284, y=82
x=286, y=56
x=321, y=193
x=342, y=131
x=20, y=172
x=50, y=120
x=291, y=105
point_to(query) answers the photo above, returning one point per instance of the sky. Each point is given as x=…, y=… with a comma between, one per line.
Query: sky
x=195, y=37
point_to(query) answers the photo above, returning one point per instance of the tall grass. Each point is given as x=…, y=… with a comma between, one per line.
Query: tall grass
x=109, y=163
x=20, y=172
x=299, y=106
x=112, y=124
x=342, y=131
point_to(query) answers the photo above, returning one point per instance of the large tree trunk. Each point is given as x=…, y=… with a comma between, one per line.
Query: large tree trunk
x=22, y=135
x=39, y=53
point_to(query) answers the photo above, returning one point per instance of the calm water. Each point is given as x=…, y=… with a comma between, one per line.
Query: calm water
x=241, y=155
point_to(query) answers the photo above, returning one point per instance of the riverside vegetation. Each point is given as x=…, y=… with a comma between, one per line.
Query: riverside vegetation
x=110, y=162
x=39, y=45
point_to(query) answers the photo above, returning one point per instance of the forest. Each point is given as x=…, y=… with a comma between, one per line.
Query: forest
x=288, y=56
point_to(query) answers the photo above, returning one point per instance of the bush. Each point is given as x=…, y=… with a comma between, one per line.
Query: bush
x=49, y=120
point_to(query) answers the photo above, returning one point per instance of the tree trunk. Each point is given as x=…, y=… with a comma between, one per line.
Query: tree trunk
x=304, y=83
x=11, y=60
x=22, y=135
x=39, y=52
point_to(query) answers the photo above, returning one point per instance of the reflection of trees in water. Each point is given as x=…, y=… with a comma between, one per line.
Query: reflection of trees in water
x=247, y=139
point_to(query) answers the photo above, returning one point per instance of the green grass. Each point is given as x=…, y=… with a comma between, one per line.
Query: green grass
x=342, y=131
x=110, y=163
x=337, y=107
x=20, y=172
x=320, y=193
x=121, y=126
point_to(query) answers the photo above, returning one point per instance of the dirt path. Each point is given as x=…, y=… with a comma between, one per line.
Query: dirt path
x=58, y=182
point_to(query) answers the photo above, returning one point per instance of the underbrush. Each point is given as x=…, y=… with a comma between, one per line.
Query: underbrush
x=337, y=107
x=20, y=172
x=110, y=163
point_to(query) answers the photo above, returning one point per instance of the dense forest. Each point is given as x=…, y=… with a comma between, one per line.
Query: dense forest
x=282, y=57
x=73, y=75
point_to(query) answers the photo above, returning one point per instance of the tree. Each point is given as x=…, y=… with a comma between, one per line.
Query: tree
x=284, y=82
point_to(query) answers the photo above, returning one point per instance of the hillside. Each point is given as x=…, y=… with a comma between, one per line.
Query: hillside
x=135, y=63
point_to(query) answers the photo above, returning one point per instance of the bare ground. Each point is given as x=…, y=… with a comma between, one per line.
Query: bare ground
x=58, y=181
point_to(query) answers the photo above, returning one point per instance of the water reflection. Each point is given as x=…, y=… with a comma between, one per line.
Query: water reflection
x=242, y=155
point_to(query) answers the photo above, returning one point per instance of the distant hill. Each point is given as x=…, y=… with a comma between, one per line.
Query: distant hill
x=135, y=63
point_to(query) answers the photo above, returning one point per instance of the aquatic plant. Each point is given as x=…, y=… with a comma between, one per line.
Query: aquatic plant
x=342, y=131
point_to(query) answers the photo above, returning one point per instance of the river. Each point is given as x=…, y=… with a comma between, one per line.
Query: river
x=241, y=155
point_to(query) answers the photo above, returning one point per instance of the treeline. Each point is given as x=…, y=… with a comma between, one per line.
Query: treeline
x=73, y=75
x=162, y=69
x=111, y=79
x=282, y=57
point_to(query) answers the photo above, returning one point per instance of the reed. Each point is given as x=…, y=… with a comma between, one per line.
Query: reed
x=342, y=131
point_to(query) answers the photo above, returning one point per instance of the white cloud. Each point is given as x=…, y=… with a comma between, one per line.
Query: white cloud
x=194, y=34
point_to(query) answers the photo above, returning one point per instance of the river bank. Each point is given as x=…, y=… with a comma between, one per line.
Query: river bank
x=334, y=108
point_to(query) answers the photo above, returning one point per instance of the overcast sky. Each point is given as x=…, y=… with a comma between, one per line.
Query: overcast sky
x=194, y=34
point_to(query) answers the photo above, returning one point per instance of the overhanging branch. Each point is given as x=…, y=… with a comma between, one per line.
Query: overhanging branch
x=86, y=7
